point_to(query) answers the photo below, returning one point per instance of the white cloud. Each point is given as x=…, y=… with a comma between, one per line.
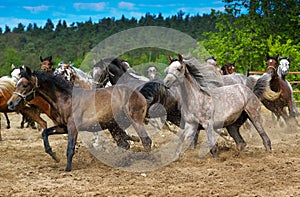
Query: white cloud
x=90, y=6
x=36, y=9
x=126, y=5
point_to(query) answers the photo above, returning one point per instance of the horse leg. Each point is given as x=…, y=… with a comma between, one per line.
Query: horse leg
x=253, y=111
x=234, y=131
x=7, y=121
x=95, y=139
x=118, y=135
x=186, y=138
x=52, y=131
x=142, y=133
x=72, y=139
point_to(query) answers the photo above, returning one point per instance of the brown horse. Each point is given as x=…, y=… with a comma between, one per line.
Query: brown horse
x=277, y=95
x=115, y=109
x=228, y=69
x=47, y=64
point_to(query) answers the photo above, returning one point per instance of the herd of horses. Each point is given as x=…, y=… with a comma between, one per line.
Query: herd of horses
x=194, y=96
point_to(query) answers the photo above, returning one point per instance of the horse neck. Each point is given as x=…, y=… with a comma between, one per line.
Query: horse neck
x=49, y=96
x=188, y=93
x=275, y=83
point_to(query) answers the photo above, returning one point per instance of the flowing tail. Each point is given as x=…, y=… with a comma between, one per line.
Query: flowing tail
x=262, y=88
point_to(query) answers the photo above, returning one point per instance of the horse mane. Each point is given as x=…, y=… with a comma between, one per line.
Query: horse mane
x=52, y=80
x=104, y=63
x=6, y=83
x=154, y=91
x=206, y=78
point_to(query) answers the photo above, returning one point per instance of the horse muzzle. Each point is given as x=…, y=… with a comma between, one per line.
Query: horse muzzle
x=12, y=104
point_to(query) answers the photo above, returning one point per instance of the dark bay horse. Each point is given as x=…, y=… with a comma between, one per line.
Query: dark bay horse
x=212, y=108
x=115, y=109
x=277, y=94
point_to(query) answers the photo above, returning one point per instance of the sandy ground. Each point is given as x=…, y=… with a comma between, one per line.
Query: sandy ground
x=26, y=170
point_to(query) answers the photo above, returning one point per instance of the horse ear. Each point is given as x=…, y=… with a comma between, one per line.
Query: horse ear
x=170, y=58
x=50, y=58
x=13, y=66
x=288, y=58
x=180, y=58
x=41, y=59
x=268, y=56
x=28, y=71
x=277, y=57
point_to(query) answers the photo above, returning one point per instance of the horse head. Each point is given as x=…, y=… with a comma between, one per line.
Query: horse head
x=66, y=71
x=284, y=65
x=211, y=60
x=46, y=64
x=175, y=71
x=152, y=72
x=228, y=68
x=25, y=89
x=272, y=63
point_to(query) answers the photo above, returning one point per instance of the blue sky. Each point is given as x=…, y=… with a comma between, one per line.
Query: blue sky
x=13, y=12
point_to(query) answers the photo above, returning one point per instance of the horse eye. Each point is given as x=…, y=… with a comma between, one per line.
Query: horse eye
x=25, y=85
x=179, y=69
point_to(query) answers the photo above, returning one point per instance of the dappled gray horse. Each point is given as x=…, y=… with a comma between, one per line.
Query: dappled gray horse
x=212, y=108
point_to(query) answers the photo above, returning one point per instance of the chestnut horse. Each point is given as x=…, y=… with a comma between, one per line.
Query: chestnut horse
x=115, y=108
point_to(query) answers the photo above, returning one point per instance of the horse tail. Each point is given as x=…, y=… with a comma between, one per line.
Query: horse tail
x=262, y=88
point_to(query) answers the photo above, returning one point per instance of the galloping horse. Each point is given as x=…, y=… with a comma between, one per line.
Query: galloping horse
x=228, y=69
x=278, y=94
x=115, y=109
x=212, y=108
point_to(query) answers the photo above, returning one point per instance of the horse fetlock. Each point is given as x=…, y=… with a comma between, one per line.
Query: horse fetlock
x=147, y=142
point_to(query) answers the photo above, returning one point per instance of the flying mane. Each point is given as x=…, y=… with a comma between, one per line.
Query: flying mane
x=51, y=80
x=206, y=78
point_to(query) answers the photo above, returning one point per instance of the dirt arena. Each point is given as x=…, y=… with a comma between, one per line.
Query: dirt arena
x=26, y=170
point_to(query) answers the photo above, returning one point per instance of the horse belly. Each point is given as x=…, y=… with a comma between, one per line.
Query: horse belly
x=229, y=106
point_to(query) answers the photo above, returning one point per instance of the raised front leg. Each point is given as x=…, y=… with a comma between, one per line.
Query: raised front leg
x=50, y=131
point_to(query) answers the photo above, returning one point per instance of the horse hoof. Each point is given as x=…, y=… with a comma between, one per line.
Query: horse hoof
x=241, y=146
x=56, y=159
x=123, y=144
x=8, y=127
x=213, y=151
x=135, y=138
